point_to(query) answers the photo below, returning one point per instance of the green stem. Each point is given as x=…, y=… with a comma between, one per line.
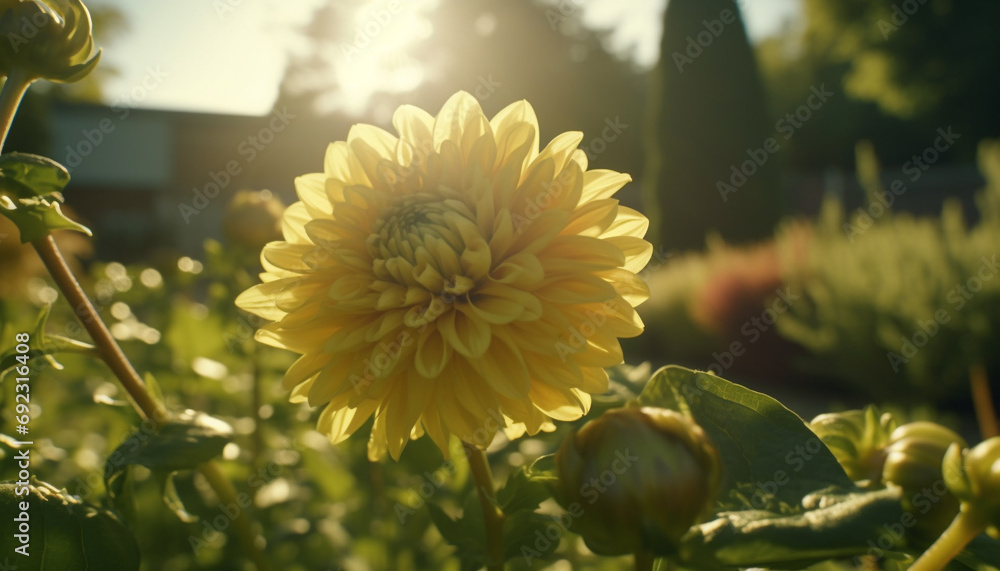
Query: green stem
x=644, y=560
x=148, y=407
x=487, y=499
x=10, y=97
x=108, y=349
x=257, y=401
x=228, y=496
x=982, y=399
x=965, y=527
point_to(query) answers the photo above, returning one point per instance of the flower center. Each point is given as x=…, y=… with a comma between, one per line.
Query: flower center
x=421, y=241
x=406, y=227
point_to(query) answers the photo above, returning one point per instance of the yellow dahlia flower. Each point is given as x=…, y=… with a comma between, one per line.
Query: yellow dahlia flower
x=452, y=280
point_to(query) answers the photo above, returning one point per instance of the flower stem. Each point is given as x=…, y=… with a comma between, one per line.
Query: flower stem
x=10, y=97
x=107, y=347
x=644, y=560
x=228, y=496
x=487, y=499
x=982, y=399
x=965, y=527
x=148, y=407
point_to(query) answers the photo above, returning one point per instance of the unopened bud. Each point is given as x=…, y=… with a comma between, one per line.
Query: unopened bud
x=857, y=439
x=974, y=477
x=46, y=39
x=643, y=477
x=253, y=219
x=914, y=455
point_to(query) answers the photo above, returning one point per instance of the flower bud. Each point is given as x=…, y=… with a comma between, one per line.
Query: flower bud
x=46, y=39
x=974, y=477
x=913, y=462
x=914, y=455
x=857, y=439
x=637, y=478
x=253, y=219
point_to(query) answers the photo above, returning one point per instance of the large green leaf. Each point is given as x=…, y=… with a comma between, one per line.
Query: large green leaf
x=770, y=456
x=836, y=526
x=65, y=534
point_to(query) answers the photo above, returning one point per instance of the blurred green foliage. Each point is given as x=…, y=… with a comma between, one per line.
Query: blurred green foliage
x=892, y=302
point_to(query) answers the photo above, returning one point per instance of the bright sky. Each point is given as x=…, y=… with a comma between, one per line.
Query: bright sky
x=228, y=56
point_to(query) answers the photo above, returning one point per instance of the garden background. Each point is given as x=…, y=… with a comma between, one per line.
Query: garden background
x=822, y=186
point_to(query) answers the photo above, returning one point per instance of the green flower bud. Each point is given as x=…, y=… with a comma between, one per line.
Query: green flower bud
x=637, y=478
x=46, y=39
x=913, y=462
x=913, y=458
x=253, y=219
x=974, y=477
x=857, y=439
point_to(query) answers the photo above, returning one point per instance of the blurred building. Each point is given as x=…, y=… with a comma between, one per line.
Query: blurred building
x=145, y=179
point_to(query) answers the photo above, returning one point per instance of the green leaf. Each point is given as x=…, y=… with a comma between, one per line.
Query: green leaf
x=31, y=187
x=841, y=528
x=43, y=346
x=180, y=443
x=521, y=493
x=531, y=536
x=467, y=534
x=543, y=471
x=34, y=174
x=836, y=526
x=763, y=445
x=38, y=218
x=982, y=554
x=65, y=534
x=172, y=498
